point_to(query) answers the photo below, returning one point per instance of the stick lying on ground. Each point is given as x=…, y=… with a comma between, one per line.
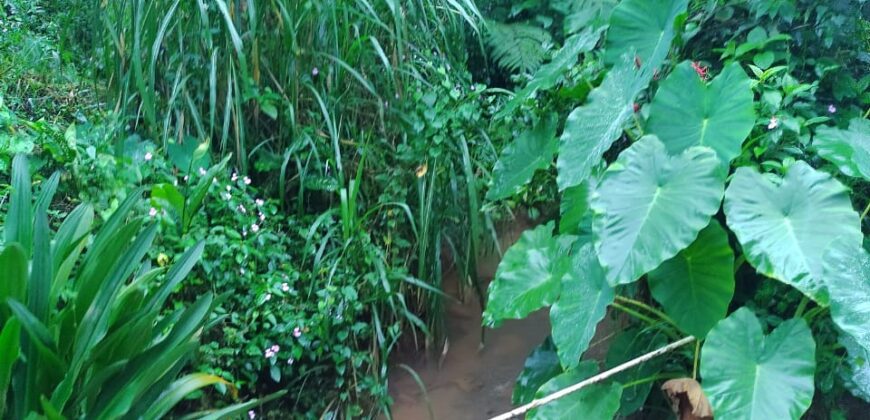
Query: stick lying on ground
x=597, y=378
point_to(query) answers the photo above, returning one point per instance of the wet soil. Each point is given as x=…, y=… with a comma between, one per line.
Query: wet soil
x=469, y=380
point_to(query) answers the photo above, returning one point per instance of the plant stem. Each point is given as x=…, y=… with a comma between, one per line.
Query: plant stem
x=801, y=306
x=652, y=378
x=647, y=308
x=866, y=210
x=635, y=314
x=695, y=363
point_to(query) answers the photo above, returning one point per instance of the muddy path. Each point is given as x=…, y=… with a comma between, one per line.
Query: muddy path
x=472, y=381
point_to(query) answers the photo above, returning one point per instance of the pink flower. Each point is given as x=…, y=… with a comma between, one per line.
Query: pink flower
x=255, y=227
x=297, y=332
x=285, y=287
x=247, y=181
x=152, y=212
x=832, y=109
x=251, y=414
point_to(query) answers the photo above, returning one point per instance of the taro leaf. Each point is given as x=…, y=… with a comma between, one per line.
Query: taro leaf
x=597, y=401
x=696, y=287
x=784, y=228
x=574, y=210
x=593, y=127
x=688, y=112
x=629, y=345
x=650, y=205
x=848, y=149
x=528, y=277
x=581, y=306
x=847, y=276
x=532, y=150
x=749, y=376
x=855, y=372
x=541, y=365
x=641, y=26
x=549, y=74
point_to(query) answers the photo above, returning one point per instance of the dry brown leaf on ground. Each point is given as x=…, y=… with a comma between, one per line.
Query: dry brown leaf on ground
x=687, y=399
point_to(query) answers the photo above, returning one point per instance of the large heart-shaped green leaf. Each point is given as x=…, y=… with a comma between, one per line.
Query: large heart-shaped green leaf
x=528, y=277
x=639, y=27
x=855, y=371
x=592, y=128
x=848, y=149
x=687, y=112
x=785, y=225
x=650, y=205
x=696, y=287
x=847, y=276
x=540, y=367
x=532, y=150
x=598, y=401
x=749, y=376
x=581, y=306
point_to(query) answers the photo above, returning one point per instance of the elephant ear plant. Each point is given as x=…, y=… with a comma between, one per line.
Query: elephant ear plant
x=672, y=217
x=83, y=332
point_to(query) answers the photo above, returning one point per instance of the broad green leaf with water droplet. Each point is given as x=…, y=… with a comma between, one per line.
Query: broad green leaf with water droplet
x=650, y=205
x=747, y=375
x=785, y=225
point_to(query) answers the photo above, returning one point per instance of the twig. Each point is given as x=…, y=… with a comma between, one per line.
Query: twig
x=595, y=379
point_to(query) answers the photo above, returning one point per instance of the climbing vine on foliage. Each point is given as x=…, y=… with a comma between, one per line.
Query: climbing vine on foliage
x=688, y=188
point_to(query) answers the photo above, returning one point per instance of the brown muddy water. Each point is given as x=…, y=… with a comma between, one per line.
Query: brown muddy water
x=469, y=381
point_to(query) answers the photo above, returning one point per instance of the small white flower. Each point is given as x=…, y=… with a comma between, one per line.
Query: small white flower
x=229, y=188
x=285, y=287
x=297, y=332
x=262, y=217
x=247, y=181
x=832, y=109
x=242, y=208
x=255, y=227
x=152, y=212
x=234, y=177
x=228, y=196
x=148, y=156
x=259, y=202
x=774, y=122
x=290, y=361
x=268, y=297
x=186, y=178
x=251, y=414
x=202, y=171
x=275, y=348
x=242, y=271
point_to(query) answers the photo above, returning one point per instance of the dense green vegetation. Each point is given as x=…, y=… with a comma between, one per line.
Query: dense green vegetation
x=243, y=207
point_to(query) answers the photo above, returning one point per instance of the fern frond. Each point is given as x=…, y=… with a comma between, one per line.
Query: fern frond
x=518, y=47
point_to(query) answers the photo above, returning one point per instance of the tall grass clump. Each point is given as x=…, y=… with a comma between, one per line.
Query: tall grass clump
x=357, y=115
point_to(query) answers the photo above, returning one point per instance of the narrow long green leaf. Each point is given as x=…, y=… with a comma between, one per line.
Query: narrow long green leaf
x=180, y=389
x=46, y=193
x=13, y=276
x=9, y=350
x=18, y=225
